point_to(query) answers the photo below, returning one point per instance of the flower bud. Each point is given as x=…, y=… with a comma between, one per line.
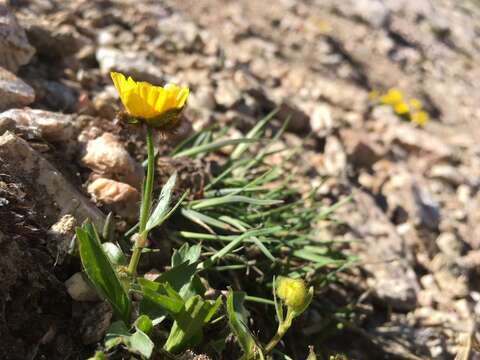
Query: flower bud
x=292, y=292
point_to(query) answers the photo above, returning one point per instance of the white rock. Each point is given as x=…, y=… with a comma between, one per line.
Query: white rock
x=335, y=162
x=79, y=289
x=53, y=126
x=107, y=156
x=14, y=47
x=321, y=120
x=123, y=198
x=14, y=92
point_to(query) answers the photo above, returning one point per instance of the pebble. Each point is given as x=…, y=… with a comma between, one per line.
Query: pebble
x=14, y=92
x=107, y=156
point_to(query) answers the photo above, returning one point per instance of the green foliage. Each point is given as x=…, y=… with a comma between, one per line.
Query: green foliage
x=250, y=221
x=101, y=272
x=237, y=319
x=137, y=342
x=187, y=330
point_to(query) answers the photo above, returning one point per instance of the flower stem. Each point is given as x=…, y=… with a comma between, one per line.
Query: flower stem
x=146, y=204
x=282, y=329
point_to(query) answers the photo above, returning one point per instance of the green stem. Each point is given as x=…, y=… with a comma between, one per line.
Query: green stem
x=282, y=329
x=145, y=206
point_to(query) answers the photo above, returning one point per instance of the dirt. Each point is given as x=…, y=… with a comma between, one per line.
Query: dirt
x=416, y=207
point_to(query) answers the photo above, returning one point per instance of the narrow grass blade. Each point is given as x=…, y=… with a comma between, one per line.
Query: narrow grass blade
x=252, y=134
x=206, y=203
x=212, y=147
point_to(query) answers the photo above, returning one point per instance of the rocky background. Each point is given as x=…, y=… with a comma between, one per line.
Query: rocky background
x=416, y=207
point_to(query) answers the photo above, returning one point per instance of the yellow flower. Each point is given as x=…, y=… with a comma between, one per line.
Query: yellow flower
x=415, y=104
x=419, y=117
x=293, y=292
x=401, y=108
x=392, y=97
x=155, y=105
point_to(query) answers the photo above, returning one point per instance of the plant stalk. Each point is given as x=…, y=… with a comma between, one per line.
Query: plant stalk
x=281, y=331
x=145, y=207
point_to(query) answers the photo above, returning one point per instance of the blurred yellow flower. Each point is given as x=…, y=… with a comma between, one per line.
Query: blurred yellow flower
x=155, y=105
x=292, y=291
x=401, y=108
x=415, y=104
x=392, y=97
x=419, y=117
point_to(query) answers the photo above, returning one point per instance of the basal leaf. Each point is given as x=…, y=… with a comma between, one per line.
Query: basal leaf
x=237, y=319
x=101, y=273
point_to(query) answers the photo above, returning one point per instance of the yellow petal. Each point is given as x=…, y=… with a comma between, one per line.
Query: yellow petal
x=144, y=100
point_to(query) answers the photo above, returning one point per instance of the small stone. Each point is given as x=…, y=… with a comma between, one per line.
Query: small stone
x=335, y=158
x=79, y=289
x=95, y=323
x=321, y=120
x=447, y=173
x=449, y=244
x=14, y=92
x=14, y=46
x=417, y=140
x=227, y=93
x=50, y=39
x=107, y=156
x=298, y=120
x=121, y=197
x=53, y=127
x=62, y=233
x=361, y=149
x=132, y=63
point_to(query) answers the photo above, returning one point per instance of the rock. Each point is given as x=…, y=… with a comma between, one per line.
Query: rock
x=6, y=124
x=409, y=199
x=121, y=197
x=14, y=46
x=321, y=121
x=227, y=93
x=335, y=158
x=131, y=63
x=298, y=120
x=107, y=156
x=51, y=39
x=95, y=323
x=54, y=127
x=55, y=94
x=62, y=233
x=79, y=289
x=105, y=103
x=14, y=92
x=383, y=253
x=448, y=174
x=56, y=194
x=418, y=140
x=361, y=149
x=450, y=245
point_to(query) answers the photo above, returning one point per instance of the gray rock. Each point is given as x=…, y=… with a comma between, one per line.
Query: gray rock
x=55, y=194
x=131, y=63
x=14, y=46
x=51, y=39
x=383, y=252
x=53, y=126
x=14, y=92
